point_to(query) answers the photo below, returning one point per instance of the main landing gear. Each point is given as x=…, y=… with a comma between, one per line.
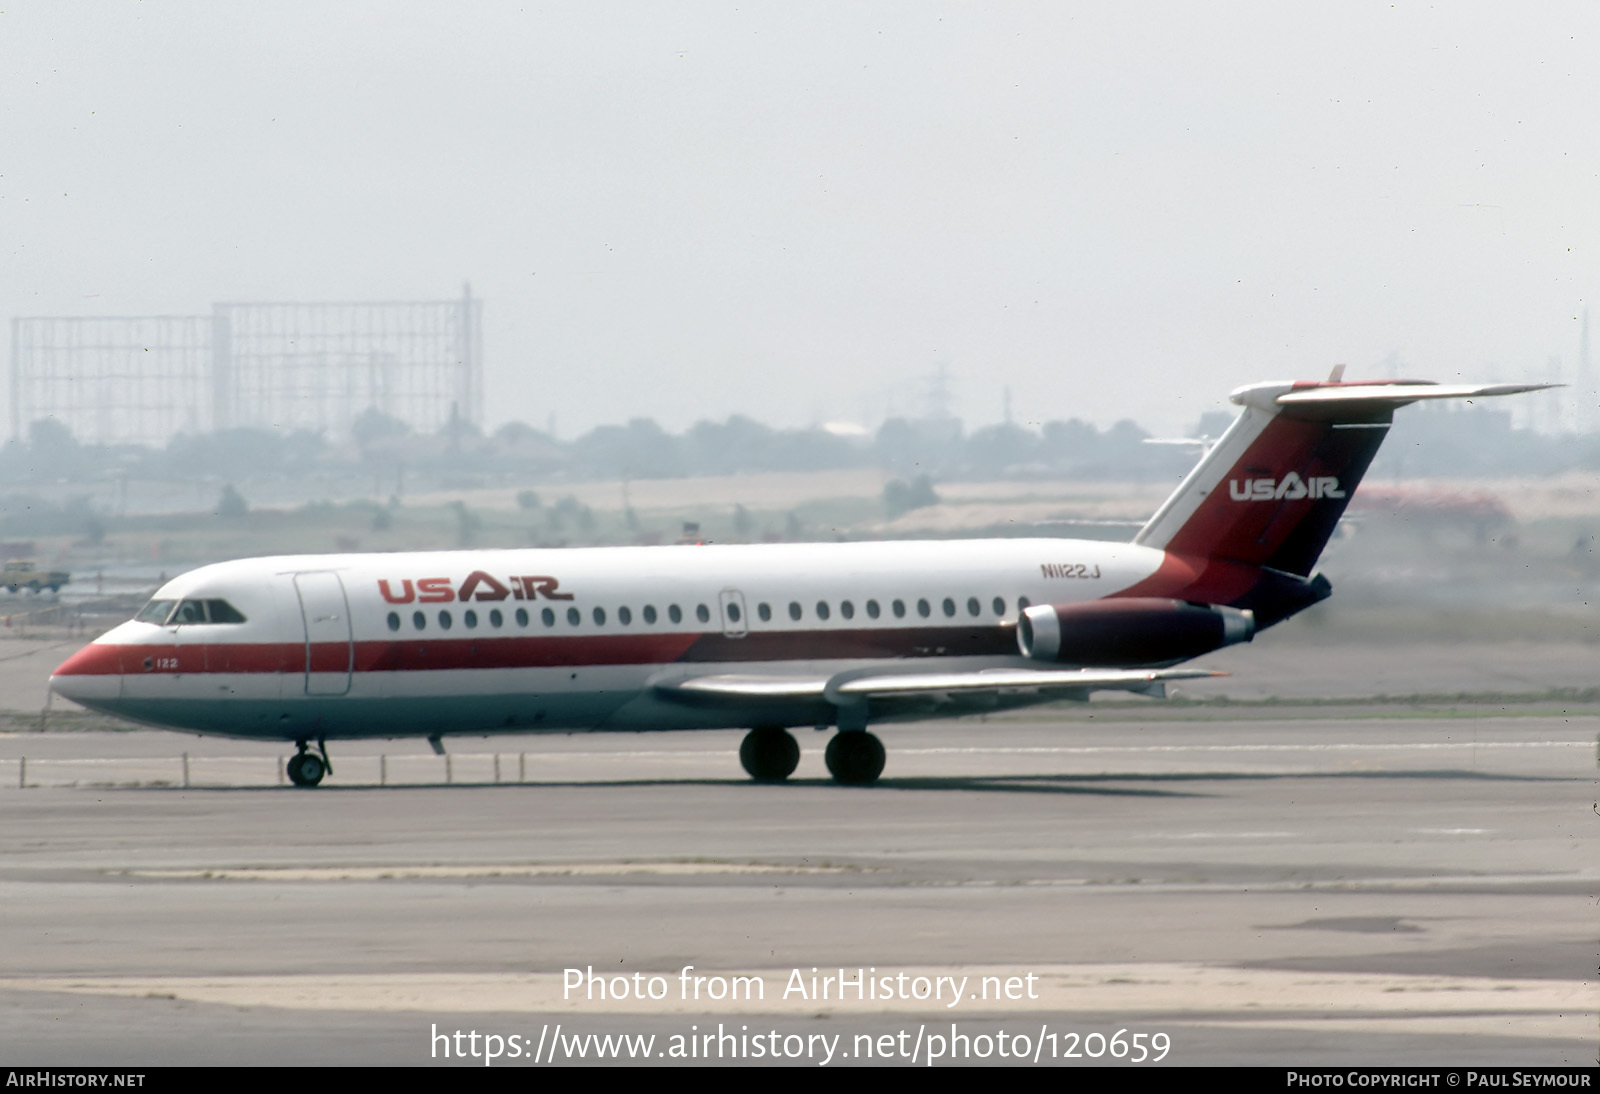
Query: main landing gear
x=306, y=768
x=770, y=754
x=855, y=757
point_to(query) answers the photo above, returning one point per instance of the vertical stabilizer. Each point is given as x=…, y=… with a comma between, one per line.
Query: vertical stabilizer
x=1274, y=487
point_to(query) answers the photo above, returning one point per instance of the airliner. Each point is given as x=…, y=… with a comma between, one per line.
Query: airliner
x=760, y=638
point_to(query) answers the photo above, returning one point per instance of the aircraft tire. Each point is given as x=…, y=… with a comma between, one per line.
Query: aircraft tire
x=769, y=755
x=305, y=769
x=855, y=758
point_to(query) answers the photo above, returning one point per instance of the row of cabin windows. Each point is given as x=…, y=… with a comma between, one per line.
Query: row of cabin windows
x=496, y=618
x=847, y=609
x=823, y=609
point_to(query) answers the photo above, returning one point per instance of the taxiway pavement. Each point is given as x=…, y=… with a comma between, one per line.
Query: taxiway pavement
x=1317, y=888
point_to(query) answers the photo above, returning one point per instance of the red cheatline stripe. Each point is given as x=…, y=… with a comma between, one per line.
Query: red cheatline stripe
x=95, y=659
x=423, y=655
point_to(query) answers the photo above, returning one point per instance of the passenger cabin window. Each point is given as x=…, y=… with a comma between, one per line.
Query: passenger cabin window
x=675, y=613
x=765, y=612
x=394, y=621
x=625, y=616
x=872, y=608
x=847, y=609
x=702, y=613
x=649, y=613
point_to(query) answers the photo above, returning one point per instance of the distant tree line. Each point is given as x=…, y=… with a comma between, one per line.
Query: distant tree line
x=1474, y=441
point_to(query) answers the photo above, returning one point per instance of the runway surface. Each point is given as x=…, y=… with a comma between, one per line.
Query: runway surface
x=1318, y=888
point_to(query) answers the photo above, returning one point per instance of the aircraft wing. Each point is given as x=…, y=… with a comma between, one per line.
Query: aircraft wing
x=850, y=687
x=883, y=685
x=745, y=686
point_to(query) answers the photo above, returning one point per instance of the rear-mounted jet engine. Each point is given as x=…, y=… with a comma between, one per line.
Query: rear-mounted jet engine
x=1130, y=631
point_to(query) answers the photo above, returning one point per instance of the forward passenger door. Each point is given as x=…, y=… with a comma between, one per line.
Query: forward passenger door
x=330, y=644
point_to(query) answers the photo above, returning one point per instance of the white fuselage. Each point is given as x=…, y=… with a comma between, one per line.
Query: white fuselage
x=348, y=646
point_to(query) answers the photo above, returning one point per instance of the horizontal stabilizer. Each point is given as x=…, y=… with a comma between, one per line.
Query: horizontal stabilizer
x=1397, y=394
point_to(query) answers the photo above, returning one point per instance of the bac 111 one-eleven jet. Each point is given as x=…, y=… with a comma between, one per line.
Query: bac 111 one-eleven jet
x=760, y=638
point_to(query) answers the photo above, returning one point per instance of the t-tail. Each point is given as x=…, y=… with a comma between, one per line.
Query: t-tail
x=1246, y=526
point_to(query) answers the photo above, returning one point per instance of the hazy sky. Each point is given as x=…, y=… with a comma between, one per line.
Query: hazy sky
x=799, y=211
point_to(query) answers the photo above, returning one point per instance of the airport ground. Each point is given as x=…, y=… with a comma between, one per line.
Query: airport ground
x=1304, y=875
x=1376, y=842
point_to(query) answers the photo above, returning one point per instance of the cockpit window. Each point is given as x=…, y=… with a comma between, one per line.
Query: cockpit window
x=178, y=613
x=189, y=611
x=220, y=611
x=156, y=611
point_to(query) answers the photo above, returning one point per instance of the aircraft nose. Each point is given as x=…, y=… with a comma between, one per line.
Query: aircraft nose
x=93, y=674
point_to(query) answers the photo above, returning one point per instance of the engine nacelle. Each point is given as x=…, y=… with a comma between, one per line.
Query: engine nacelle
x=1132, y=632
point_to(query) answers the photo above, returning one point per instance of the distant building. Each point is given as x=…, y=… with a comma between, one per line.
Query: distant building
x=142, y=379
